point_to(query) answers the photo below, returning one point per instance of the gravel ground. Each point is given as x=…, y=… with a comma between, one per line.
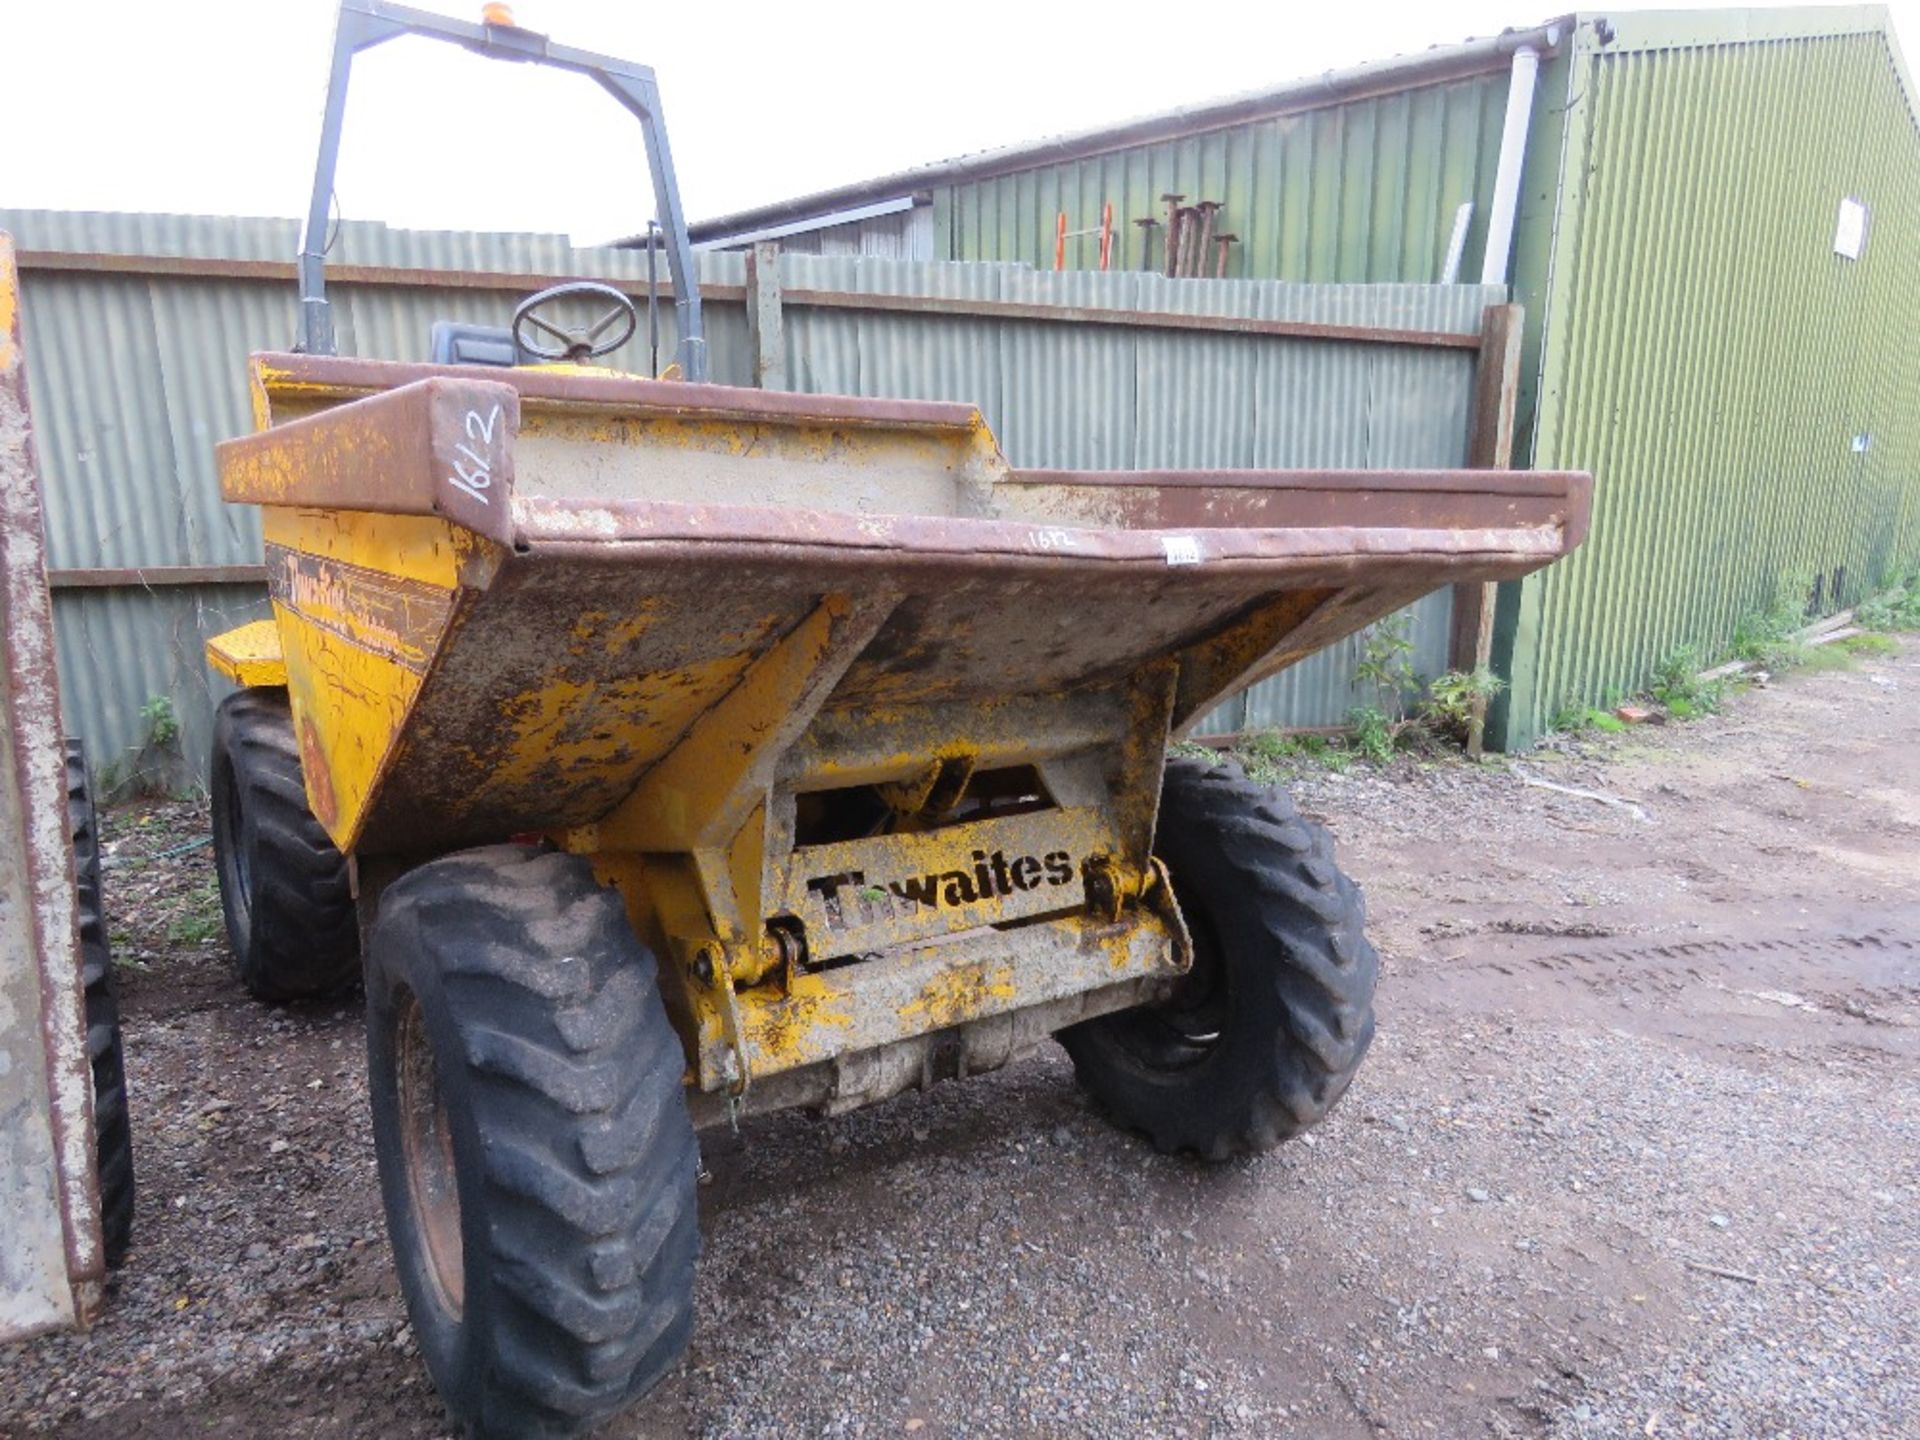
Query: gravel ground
x=1636, y=1153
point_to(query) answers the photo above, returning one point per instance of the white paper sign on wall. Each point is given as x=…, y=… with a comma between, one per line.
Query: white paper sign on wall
x=1850, y=234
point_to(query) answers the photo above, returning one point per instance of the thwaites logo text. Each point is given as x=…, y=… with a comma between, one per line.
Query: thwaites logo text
x=851, y=902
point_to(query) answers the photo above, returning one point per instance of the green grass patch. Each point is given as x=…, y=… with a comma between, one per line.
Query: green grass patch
x=1869, y=646
x=1834, y=656
x=1270, y=756
x=199, y=919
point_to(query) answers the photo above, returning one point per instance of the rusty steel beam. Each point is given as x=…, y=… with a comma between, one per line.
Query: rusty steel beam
x=194, y=267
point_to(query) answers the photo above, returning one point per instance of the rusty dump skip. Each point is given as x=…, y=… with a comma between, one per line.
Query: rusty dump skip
x=507, y=594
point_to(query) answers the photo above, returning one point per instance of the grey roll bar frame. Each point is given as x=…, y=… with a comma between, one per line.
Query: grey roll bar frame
x=362, y=24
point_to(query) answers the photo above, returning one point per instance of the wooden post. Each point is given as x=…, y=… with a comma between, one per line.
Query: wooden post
x=763, y=316
x=1496, y=394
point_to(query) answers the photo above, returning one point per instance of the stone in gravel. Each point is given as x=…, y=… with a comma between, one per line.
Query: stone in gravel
x=1477, y=1195
x=1719, y=1222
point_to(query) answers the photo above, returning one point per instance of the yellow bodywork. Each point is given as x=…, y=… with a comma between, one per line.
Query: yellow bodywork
x=249, y=654
x=866, y=727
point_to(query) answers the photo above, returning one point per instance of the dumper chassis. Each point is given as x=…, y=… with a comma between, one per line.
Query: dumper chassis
x=662, y=753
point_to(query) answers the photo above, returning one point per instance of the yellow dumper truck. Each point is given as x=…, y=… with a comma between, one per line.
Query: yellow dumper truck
x=661, y=752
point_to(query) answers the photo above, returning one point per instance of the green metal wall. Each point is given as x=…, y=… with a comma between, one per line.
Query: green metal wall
x=1707, y=354
x=1362, y=190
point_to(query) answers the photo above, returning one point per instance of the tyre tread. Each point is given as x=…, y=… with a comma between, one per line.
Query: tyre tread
x=575, y=1077
x=106, y=1056
x=298, y=935
x=1290, y=903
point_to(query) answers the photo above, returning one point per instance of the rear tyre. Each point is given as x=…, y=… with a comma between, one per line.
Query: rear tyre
x=536, y=1157
x=283, y=886
x=112, y=1126
x=1263, y=1034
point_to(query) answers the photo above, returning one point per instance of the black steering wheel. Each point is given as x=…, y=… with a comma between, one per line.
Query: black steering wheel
x=582, y=344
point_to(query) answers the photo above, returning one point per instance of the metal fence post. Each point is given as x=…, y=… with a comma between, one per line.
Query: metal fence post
x=1496, y=394
x=764, y=316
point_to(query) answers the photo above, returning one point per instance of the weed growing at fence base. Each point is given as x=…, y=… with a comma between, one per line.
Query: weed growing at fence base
x=1896, y=608
x=1678, y=687
x=1451, y=698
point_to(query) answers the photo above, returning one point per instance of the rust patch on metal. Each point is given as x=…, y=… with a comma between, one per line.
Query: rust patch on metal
x=439, y=446
x=313, y=768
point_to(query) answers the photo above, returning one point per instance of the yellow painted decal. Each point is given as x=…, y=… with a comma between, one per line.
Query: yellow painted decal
x=392, y=616
x=411, y=547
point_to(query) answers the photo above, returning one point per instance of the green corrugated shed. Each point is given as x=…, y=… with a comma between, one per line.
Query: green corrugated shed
x=1360, y=191
x=1747, y=399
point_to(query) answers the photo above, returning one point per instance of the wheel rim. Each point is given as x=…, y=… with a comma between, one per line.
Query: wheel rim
x=426, y=1144
x=1190, y=1024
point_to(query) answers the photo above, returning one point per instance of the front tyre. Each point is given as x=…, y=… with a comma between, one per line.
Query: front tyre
x=536, y=1157
x=283, y=886
x=1263, y=1034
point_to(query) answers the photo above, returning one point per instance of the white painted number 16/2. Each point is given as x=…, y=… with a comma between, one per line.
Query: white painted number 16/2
x=478, y=479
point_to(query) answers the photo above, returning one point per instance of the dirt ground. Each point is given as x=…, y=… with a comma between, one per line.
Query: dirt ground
x=1636, y=1153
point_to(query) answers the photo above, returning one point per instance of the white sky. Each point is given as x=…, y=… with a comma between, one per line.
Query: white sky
x=212, y=106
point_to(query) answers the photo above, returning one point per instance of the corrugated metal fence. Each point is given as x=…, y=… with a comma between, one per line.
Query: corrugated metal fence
x=138, y=327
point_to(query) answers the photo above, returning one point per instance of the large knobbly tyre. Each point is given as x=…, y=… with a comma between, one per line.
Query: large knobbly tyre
x=1260, y=1038
x=536, y=1156
x=283, y=886
x=112, y=1126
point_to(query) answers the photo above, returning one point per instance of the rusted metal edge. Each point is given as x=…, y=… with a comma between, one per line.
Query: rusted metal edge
x=45, y=844
x=346, y=378
x=1463, y=482
x=439, y=446
x=153, y=577
x=192, y=267
x=666, y=531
